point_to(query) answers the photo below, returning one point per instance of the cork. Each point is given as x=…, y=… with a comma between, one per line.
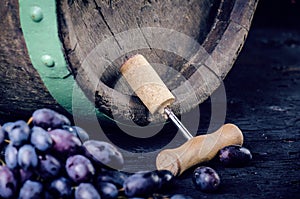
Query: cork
x=147, y=84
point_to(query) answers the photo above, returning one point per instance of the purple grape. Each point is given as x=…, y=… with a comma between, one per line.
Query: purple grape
x=8, y=183
x=64, y=142
x=78, y=132
x=2, y=135
x=24, y=175
x=112, y=176
x=206, y=179
x=40, y=139
x=86, y=190
x=11, y=156
x=81, y=134
x=31, y=190
x=166, y=178
x=19, y=133
x=234, y=156
x=79, y=168
x=104, y=153
x=49, y=166
x=49, y=119
x=107, y=190
x=27, y=157
x=7, y=127
x=61, y=188
x=180, y=196
x=136, y=198
x=70, y=129
x=141, y=184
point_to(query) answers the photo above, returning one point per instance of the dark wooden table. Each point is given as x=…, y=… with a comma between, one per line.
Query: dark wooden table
x=263, y=95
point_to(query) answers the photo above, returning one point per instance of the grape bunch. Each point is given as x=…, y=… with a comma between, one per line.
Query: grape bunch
x=49, y=158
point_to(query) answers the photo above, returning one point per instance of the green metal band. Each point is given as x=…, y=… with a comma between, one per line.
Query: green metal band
x=39, y=25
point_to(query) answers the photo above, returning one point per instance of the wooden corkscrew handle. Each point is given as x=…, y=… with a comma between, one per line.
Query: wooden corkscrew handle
x=198, y=149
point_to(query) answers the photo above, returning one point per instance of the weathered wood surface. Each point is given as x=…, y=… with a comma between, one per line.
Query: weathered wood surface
x=219, y=26
x=21, y=88
x=93, y=33
x=264, y=101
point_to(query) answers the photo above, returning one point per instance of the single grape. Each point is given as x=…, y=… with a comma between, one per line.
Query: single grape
x=166, y=178
x=141, y=184
x=112, y=176
x=70, y=129
x=104, y=153
x=31, y=190
x=206, y=179
x=107, y=190
x=82, y=134
x=180, y=196
x=234, y=156
x=2, y=135
x=24, y=175
x=11, y=156
x=49, y=119
x=19, y=133
x=27, y=157
x=7, y=127
x=8, y=183
x=86, y=191
x=78, y=132
x=61, y=188
x=49, y=166
x=136, y=198
x=40, y=139
x=79, y=168
x=64, y=142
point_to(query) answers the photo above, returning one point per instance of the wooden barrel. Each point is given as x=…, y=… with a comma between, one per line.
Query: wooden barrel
x=192, y=44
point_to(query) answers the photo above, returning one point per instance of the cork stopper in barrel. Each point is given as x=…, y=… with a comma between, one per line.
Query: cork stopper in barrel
x=146, y=83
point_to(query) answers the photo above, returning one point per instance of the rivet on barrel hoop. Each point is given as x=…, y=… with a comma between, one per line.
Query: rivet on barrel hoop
x=36, y=14
x=47, y=60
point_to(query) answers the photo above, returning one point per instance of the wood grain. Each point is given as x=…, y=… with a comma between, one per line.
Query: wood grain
x=198, y=149
x=210, y=23
x=83, y=25
x=22, y=90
